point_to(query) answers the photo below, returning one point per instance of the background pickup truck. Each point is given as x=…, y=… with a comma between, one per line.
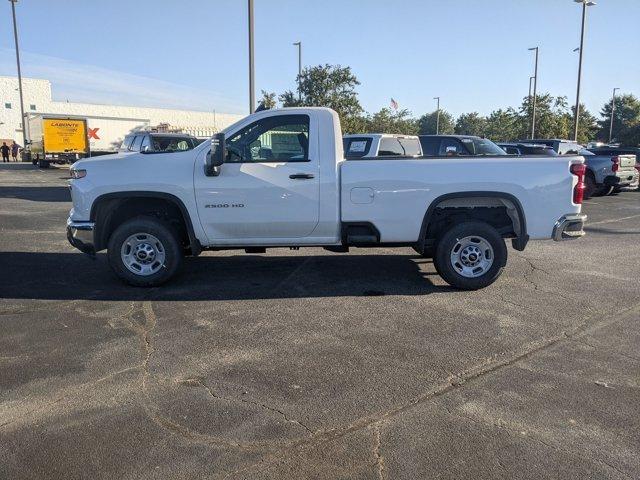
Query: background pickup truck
x=380, y=145
x=278, y=179
x=605, y=172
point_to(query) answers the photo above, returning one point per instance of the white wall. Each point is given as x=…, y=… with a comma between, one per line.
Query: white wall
x=37, y=92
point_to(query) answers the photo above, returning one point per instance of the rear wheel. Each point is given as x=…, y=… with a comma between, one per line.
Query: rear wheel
x=471, y=255
x=590, y=187
x=144, y=252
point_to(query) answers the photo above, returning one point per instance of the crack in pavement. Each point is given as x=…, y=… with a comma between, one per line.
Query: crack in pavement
x=376, y=450
x=198, y=381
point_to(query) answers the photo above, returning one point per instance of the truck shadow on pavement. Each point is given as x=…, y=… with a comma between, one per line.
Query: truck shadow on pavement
x=73, y=276
x=36, y=193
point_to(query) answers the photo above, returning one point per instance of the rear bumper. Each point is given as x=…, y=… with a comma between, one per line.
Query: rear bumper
x=569, y=227
x=80, y=235
x=623, y=179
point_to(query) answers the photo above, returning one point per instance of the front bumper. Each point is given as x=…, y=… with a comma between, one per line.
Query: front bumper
x=80, y=235
x=569, y=227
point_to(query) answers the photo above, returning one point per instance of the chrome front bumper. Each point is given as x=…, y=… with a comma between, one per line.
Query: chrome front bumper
x=569, y=227
x=80, y=235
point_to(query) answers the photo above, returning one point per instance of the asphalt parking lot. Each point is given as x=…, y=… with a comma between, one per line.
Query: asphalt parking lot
x=309, y=364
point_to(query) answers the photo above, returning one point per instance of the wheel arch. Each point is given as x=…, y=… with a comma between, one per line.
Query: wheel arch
x=452, y=199
x=105, y=205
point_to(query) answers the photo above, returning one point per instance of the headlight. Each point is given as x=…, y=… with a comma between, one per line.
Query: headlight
x=77, y=173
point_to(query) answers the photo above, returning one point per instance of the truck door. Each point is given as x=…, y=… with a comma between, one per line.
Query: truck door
x=268, y=187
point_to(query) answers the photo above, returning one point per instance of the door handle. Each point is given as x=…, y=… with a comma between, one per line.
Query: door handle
x=301, y=176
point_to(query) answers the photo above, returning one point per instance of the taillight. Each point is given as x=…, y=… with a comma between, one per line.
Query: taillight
x=579, y=170
x=615, y=164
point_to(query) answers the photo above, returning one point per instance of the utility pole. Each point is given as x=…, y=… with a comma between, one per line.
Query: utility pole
x=15, y=36
x=252, y=90
x=437, y=115
x=585, y=4
x=299, y=45
x=535, y=94
x=613, y=110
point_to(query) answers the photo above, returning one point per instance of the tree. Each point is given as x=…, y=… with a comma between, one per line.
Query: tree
x=388, y=121
x=587, y=125
x=504, y=125
x=471, y=124
x=268, y=100
x=626, y=120
x=427, y=123
x=330, y=86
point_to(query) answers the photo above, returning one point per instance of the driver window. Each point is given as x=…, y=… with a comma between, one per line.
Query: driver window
x=280, y=138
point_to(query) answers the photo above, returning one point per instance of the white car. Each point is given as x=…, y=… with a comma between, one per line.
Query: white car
x=278, y=178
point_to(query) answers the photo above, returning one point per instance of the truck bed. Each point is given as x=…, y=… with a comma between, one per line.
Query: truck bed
x=394, y=193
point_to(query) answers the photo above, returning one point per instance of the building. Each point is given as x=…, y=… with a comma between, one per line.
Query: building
x=38, y=99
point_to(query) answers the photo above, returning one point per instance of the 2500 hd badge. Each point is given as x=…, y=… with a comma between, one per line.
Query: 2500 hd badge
x=225, y=205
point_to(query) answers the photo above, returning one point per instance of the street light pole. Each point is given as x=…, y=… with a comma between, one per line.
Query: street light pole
x=437, y=115
x=252, y=91
x=585, y=4
x=15, y=36
x=535, y=94
x=613, y=110
x=299, y=45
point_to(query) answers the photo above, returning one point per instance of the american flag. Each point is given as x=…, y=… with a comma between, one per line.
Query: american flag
x=394, y=104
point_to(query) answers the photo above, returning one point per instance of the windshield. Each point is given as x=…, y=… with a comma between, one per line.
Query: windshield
x=585, y=152
x=482, y=146
x=171, y=143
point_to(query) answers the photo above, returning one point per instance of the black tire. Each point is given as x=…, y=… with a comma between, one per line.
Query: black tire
x=449, y=240
x=590, y=186
x=604, y=191
x=43, y=164
x=146, y=225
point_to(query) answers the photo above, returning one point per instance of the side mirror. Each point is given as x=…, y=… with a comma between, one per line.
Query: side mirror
x=216, y=156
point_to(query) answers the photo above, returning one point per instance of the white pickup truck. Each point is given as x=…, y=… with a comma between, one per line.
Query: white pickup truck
x=278, y=178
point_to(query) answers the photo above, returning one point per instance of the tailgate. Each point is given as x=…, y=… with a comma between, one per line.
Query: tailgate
x=627, y=162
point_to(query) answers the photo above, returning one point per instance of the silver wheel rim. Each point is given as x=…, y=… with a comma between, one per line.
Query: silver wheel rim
x=143, y=254
x=471, y=256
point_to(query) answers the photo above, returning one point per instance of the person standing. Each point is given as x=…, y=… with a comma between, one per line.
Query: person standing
x=5, y=152
x=15, y=148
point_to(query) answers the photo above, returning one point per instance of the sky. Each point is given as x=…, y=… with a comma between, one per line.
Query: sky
x=194, y=54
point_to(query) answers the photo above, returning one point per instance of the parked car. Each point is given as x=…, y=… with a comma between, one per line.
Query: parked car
x=278, y=179
x=380, y=145
x=528, y=149
x=456, y=145
x=151, y=142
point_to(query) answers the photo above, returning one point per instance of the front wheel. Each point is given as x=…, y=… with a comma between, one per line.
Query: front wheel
x=144, y=252
x=470, y=255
